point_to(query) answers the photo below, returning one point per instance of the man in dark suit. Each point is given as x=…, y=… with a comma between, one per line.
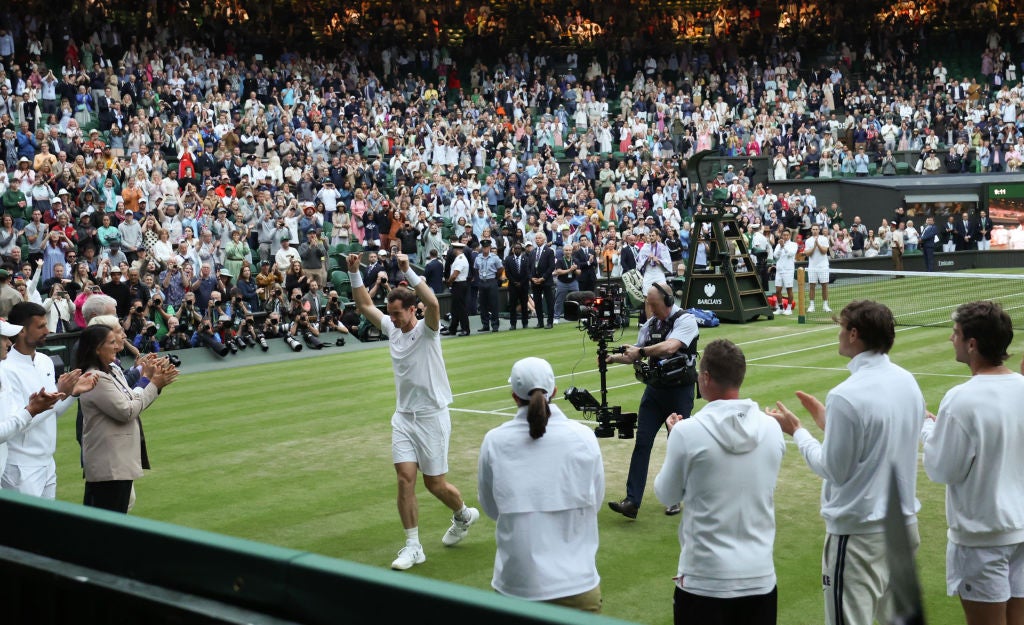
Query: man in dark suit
x=586, y=259
x=433, y=273
x=629, y=253
x=518, y=270
x=963, y=232
x=543, y=281
x=928, y=235
x=983, y=231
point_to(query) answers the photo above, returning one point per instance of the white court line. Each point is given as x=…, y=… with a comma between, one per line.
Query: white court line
x=491, y=412
x=786, y=336
x=575, y=373
x=807, y=349
x=940, y=375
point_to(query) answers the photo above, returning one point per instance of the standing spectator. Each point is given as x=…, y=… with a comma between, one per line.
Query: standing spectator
x=543, y=281
x=972, y=447
x=30, y=466
x=817, y=252
x=983, y=231
x=872, y=421
x=668, y=332
x=433, y=273
x=565, y=273
x=546, y=537
x=421, y=424
x=313, y=252
x=517, y=270
x=723, y=464
x=963, y=232
x=929, y=239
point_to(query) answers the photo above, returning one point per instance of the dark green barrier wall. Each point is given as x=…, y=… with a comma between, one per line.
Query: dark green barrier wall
x=192, y=567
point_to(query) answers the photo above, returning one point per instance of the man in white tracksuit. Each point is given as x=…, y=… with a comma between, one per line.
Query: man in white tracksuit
x=872, y=423
x=723, y=463
x=14, y=418
x=973, y=446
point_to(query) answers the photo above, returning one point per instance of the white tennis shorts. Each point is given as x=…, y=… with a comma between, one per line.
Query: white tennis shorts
x=422, y=438
x=988, y=574
x=817, y=276
x=784, y=279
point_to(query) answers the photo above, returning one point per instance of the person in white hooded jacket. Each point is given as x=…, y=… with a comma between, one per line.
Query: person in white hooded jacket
x=541, y=479
x=723, y=464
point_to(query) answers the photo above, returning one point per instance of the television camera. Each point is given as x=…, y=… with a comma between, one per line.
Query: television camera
x=600, y=314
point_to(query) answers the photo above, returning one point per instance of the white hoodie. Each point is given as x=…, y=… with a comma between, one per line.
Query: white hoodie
x=723, y=463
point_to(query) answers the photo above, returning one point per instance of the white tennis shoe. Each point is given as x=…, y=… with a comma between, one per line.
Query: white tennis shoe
x=459, y=529
x=411, y=554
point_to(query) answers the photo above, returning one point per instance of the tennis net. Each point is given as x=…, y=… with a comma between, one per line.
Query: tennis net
x=918, y=298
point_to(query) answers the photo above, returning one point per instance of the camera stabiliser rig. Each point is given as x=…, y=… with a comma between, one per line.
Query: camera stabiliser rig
x=600, y=314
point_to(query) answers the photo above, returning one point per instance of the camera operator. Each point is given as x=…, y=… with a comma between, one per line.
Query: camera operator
x=177, y=337
x=243, y=322
x=380, y=288
x=304, y=327
x=295, y=304
x=210, y=332
x=277, y=304
x=135, y=321
x=188, y=315
x=272, y=326
x=146, y=341
x=669, y=331
x=331, y=317
x=155, y=312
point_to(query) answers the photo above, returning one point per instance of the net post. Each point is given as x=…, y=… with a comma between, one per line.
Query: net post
x=801, y=278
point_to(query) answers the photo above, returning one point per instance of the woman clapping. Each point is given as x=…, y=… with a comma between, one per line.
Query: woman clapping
x=113, y=450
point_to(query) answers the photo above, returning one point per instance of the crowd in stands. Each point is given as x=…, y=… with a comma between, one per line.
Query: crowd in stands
x=208, y=187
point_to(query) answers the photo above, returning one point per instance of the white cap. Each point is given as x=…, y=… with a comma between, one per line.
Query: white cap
x=531, y=373
x=9, y=330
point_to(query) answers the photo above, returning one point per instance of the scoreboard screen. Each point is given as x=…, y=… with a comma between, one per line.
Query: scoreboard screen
x=1006, y=203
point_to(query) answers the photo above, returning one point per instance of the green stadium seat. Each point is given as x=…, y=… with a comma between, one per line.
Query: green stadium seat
x=341, y=284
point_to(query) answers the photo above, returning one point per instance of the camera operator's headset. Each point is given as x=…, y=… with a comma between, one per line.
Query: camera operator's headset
x=670, y=299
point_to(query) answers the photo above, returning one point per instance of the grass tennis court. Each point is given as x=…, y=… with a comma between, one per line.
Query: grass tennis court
x=298, y=454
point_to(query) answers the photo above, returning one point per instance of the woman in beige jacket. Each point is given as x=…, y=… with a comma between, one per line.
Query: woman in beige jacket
x=112, y=448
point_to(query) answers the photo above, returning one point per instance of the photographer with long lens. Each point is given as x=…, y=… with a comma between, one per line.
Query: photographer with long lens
x=303, y=326
x=188, y=315
x=244, y=323
x=668, y=341
x=332, y=316
x=177, y=337
x=209, y=333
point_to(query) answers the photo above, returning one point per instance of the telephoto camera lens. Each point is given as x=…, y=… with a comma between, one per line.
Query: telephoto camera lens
x=293, y=343
x=263, y=343
x=311, y=340
x=175, y=360
x=239, y=342
x=232, y=346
